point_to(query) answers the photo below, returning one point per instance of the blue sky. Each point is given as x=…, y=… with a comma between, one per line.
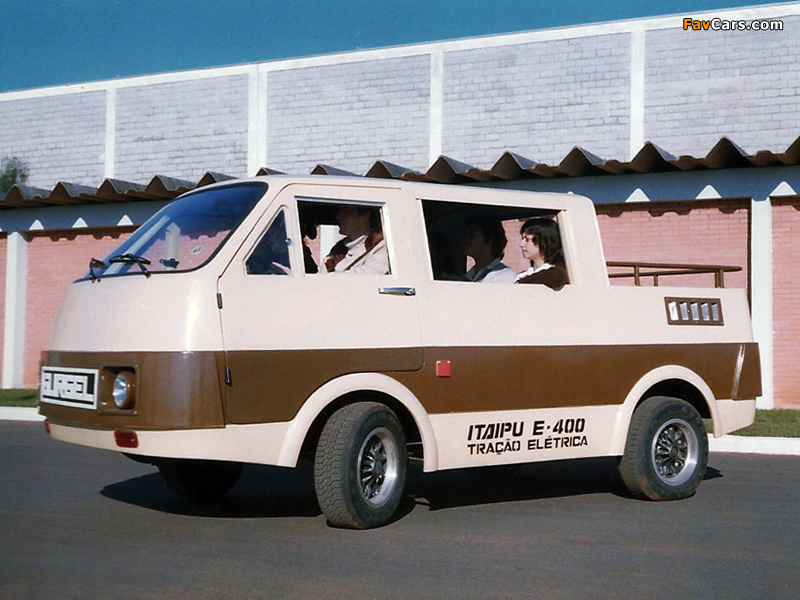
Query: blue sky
x=55, y=42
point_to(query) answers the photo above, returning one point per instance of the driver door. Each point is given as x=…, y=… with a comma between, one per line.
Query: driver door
x=288, y=331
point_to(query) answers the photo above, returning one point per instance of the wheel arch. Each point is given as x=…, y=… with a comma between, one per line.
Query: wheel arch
x=674, y=381
x=305, y=429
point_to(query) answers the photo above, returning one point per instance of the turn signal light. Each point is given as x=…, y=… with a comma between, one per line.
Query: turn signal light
x=126, y=439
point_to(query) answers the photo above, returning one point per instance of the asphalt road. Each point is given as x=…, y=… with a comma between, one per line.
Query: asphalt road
x=81, y=523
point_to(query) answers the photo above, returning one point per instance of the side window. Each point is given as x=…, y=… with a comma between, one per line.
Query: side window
x=343, y=237
x=494, y=244
x=271, y=254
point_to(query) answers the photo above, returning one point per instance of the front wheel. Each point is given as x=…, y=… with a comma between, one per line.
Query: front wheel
x=360, y=466
x=666, y=452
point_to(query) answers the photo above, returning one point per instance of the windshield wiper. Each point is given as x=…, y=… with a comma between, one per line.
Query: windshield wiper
x=96, y=263
x=132, y=259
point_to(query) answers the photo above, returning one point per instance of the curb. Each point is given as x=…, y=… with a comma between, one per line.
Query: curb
x=754, y=445
x=738, y=444
x=19, y=413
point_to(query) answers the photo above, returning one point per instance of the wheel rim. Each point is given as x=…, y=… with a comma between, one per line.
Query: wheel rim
x=378, y=462
x=674, y=452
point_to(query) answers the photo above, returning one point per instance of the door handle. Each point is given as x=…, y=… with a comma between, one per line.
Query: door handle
x=398, y=291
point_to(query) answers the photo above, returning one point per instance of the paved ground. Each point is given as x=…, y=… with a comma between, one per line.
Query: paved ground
x=79, y=523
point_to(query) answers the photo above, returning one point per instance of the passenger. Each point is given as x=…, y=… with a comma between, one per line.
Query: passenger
x=443, y=261
x=485, y=240
x=541, y=244
x=366, y=248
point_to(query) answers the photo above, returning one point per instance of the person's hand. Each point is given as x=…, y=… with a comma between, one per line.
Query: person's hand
x=285, y=269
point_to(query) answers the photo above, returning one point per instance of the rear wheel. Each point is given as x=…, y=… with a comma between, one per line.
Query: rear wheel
x=666, y=452
x=360, y=466
x=199, y=480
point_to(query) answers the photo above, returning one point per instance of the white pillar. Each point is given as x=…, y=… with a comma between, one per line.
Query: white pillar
x=638, y=50
x=761, y=294
x=14, y=318
x=436, y=105
x=257, y=121
x=110, y=153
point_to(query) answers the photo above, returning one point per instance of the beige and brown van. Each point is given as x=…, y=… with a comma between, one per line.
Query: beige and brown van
x=216, y=336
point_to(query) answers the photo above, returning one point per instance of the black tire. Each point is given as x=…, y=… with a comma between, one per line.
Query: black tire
x=360, y=466
x=666, y=452
x=199, y=480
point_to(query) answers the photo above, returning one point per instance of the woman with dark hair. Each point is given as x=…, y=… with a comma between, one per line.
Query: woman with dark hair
x=541, y=245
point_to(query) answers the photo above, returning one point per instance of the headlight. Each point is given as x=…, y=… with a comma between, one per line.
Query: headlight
x=123, y=390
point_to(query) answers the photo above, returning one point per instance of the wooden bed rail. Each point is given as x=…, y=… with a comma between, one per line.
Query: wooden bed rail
x=639, y=270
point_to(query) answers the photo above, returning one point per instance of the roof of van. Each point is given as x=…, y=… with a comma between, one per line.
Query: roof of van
x=431, y=191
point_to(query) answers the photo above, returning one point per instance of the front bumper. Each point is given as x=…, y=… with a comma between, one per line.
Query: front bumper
x=260, y=444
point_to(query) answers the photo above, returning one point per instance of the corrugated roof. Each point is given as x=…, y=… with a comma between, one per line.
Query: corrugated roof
x=510, y=166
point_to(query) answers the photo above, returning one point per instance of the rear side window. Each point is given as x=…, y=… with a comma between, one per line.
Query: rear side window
x=484, y=243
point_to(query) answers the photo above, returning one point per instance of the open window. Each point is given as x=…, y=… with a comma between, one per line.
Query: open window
x=343, y=237
x=480, y=243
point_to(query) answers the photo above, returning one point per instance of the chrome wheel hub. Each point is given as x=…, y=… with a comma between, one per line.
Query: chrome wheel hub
x=377, y=466
x=675, y=452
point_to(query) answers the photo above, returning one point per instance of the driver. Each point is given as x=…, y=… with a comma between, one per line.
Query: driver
x=363, y=240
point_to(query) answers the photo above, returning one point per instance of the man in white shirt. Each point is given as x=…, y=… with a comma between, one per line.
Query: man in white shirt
x=366, y=248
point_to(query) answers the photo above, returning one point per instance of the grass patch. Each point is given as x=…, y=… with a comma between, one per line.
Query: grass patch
x=769, y=423
x=13, y=397
x=774, y=423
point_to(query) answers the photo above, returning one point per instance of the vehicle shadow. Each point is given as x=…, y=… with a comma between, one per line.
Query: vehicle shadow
x=261, y=492
x=274, y=492
x=536, y=481
x=489, y=485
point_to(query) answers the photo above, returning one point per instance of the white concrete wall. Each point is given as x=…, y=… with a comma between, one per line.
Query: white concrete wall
x=607, y=87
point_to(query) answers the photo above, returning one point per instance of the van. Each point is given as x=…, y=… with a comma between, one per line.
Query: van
x=343, y=320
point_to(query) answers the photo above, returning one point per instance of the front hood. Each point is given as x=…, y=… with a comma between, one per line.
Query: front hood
x=165, y=312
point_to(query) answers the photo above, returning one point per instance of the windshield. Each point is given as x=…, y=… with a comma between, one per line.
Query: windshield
x=183, y=235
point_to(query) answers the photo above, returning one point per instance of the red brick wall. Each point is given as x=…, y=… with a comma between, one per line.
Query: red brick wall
x=56, y=259
x=786, y=302
x=696, y=232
